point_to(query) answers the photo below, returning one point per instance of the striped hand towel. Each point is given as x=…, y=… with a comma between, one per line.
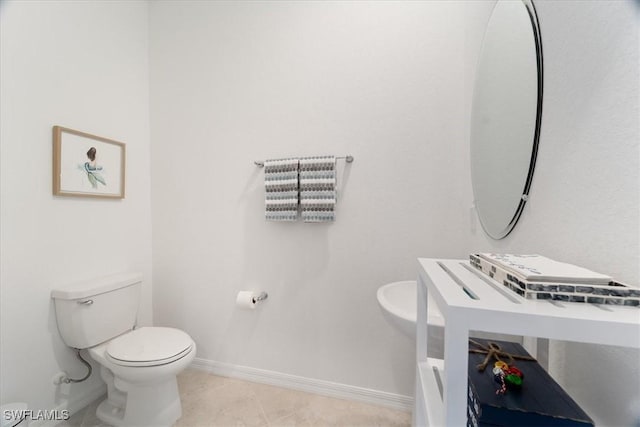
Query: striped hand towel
x=281, y=189
x=318, y=188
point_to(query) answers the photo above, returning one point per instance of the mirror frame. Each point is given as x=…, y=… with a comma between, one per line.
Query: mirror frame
x=535, y=24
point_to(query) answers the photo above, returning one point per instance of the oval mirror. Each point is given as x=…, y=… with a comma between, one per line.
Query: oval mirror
x=505, y=115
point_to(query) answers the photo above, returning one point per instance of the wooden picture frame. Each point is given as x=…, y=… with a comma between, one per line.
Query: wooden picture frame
x=86, y=165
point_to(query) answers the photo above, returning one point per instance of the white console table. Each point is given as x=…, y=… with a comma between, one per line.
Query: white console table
x=470, y=301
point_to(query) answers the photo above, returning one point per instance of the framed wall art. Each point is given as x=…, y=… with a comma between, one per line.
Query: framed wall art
x=86, y=165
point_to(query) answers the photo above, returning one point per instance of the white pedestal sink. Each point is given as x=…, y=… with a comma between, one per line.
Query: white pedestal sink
x=399, y=303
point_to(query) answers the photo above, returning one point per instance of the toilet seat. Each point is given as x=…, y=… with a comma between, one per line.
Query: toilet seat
x=149, y=346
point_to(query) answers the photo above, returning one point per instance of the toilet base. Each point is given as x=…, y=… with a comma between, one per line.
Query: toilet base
x=149, y=405
x=140, y=396
x=109, y=414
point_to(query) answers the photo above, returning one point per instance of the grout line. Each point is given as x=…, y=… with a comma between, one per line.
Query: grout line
x=264, y=414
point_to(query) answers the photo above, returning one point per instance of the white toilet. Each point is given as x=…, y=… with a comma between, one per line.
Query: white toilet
x=138, y=365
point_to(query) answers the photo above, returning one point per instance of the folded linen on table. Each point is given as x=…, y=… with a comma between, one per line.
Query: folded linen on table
x=281, y=189
x=318, y=188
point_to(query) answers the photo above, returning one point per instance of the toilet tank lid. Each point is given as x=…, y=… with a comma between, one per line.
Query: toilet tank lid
x=96, y=286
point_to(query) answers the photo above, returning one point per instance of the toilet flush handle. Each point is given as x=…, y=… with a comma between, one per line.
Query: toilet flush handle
x=86, y=302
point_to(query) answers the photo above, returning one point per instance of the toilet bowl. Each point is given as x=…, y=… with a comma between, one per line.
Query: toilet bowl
x=139, y=365
x=140, y=368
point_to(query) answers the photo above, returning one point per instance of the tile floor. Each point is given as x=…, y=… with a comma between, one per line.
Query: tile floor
x=210, y=400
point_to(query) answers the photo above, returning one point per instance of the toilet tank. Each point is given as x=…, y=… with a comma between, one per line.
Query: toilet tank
x=94, y=311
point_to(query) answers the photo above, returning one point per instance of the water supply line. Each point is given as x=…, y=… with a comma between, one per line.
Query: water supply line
x=68, y=380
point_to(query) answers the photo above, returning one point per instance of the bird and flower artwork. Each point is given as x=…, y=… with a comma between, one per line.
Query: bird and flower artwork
x=86, y=165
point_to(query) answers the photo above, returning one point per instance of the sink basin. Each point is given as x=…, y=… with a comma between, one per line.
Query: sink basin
x=399, y=303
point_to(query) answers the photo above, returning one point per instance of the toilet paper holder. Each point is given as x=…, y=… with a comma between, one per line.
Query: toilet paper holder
x=263, y=296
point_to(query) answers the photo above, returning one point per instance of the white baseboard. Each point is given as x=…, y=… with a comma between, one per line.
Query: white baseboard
x=310, y=385
x=73, y=405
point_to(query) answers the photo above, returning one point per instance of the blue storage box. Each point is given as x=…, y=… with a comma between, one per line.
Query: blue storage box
x=540, y=401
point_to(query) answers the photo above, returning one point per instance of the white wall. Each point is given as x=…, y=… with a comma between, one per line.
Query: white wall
x=389, y=83
x=584, y=203
x=234, y=82
x=82, y=65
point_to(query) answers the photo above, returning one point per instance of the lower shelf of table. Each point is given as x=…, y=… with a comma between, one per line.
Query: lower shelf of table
x=429, y=400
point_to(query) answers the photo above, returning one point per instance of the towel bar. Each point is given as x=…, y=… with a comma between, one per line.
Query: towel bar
x=347, y=158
